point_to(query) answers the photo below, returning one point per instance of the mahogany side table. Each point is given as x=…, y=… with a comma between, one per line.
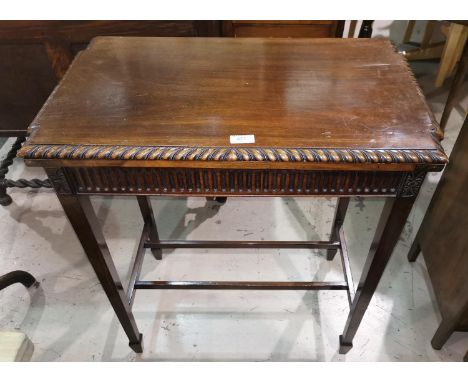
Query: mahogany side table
x=246, y=117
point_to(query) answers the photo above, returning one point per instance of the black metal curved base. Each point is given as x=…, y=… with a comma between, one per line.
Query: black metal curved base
x=14, y=277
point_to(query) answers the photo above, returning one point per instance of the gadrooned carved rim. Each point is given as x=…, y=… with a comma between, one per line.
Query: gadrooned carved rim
x=255, y=154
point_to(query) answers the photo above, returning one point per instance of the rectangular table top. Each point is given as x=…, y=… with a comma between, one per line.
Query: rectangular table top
x=344, y=101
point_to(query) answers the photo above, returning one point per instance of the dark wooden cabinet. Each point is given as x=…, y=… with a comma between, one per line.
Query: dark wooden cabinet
x=26, y=80
x=294, y=28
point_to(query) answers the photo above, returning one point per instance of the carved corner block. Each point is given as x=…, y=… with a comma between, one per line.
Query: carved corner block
x=411, y=184
x=59, y=181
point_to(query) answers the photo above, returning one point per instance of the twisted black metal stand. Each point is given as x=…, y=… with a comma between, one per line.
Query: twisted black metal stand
x=5, y=199
x=18, y=276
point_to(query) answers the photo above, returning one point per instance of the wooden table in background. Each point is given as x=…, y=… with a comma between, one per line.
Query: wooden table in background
x=152, y=116
x=443, y=241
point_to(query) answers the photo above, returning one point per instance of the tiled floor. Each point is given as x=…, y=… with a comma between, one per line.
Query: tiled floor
x=68, y=317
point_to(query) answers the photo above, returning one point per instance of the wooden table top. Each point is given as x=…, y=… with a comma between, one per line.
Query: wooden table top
x=343, y=101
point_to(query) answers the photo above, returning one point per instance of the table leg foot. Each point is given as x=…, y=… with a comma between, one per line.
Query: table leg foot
x=345, y=347
x=137, y=347
x=444, y=331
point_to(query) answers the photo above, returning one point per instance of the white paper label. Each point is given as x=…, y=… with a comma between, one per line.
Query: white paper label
x=242, y=138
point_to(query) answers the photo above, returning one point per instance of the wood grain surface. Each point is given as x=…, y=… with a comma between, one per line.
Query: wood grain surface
x=332, y=96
